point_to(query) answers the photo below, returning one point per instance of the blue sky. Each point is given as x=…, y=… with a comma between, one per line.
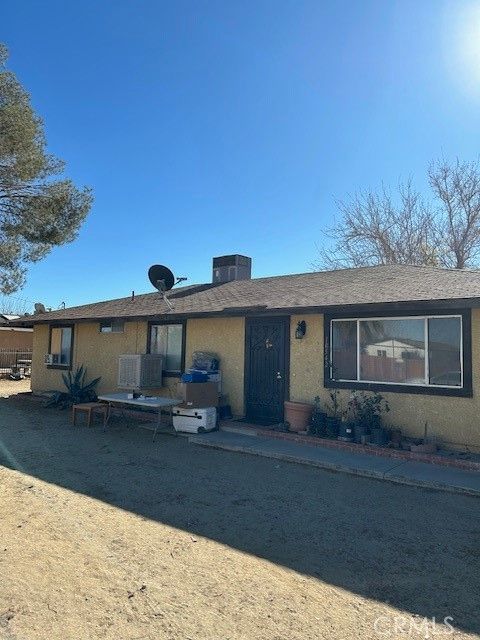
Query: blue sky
x=208, y=128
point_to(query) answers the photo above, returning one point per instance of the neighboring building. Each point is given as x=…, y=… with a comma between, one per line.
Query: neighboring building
x=14, y=337
x=412, y=333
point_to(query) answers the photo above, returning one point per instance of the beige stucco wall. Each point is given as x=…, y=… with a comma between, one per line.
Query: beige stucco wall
x=14, y=339
x=226, y=337
x=306, y=359
x=43, y=379
x=97, y=351
x=455, y=421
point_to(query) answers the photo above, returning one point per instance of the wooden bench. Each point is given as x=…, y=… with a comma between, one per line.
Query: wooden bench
x=90, y=408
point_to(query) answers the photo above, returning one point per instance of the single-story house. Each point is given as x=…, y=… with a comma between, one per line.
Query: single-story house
x=412, y=333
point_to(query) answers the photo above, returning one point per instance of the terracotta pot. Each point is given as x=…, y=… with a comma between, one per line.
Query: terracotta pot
x=298, y=415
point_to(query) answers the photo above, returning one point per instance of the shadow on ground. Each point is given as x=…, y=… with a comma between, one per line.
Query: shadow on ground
x=415, y=549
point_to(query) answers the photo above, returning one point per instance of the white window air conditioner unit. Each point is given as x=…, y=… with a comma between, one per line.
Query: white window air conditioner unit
x=140, y=371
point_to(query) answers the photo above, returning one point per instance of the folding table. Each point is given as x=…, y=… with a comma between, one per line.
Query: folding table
x=152, y=402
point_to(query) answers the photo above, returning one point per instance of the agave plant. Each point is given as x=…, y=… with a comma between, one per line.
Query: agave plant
x=77, y=390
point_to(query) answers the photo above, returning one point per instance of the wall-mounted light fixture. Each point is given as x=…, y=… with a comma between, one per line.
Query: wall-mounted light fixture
x=301, y=330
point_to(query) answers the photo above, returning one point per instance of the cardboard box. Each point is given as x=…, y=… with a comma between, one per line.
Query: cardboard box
x=212, y=376
x=197, y=395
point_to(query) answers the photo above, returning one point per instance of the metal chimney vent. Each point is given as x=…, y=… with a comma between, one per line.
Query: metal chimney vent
x=234, y=267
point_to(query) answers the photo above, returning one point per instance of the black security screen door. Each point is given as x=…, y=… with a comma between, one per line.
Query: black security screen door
x=266, y=368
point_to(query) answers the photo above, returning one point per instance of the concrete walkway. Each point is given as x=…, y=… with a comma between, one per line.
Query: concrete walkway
x=404, y=472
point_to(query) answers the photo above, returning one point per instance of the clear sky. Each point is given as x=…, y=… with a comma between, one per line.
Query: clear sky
x=208, y=128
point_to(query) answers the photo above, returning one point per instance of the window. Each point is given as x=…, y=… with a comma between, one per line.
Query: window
x=444, y=354
x=404, y=343
x=168, y=339
x=112, y=326
x=61, y=346
x=344, y=350
x=421, y=351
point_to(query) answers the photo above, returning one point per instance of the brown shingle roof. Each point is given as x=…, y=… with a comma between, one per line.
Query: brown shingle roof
x=319, y=290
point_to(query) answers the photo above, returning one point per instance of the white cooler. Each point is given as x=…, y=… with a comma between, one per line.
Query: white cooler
x=190, y=420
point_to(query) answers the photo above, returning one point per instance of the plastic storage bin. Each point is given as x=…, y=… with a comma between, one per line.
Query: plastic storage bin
x=195, y=376
x=188, y=420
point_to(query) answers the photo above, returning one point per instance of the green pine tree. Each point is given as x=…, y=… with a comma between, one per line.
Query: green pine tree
x=39, y=209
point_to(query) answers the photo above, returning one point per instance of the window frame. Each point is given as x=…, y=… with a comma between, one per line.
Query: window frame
x=111, y=321
x=64, y=367
x=183, y=323
x=403, y=387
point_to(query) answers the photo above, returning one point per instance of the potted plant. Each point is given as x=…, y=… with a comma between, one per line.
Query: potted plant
x=317, y=422
x=395, y=437
x=369, y=409
x=333, y=422
x=77, y=390
x=298, y=415
x=364, y=414
x=354, y=428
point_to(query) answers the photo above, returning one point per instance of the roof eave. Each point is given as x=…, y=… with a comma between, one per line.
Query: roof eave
x=406, y=305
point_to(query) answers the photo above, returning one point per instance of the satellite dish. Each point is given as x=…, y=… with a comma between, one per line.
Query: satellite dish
x=161, y=277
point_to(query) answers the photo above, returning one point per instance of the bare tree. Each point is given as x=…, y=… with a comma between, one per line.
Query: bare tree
x=375, y=229
x=456, y=188
x=378, y=228
x=11, y=305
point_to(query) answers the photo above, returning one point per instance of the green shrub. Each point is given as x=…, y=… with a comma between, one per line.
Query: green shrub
x=77, y=390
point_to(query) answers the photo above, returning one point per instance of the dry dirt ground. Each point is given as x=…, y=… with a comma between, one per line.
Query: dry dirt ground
x=108, y=535
x=11, y=387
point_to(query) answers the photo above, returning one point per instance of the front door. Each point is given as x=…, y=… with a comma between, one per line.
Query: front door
x=266, y=368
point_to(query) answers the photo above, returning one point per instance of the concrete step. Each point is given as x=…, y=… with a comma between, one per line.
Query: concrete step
x=237, y=427
x=401, y=472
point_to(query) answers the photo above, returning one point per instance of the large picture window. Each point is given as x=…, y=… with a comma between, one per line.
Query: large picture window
x=421, y=351
x=168, y=339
